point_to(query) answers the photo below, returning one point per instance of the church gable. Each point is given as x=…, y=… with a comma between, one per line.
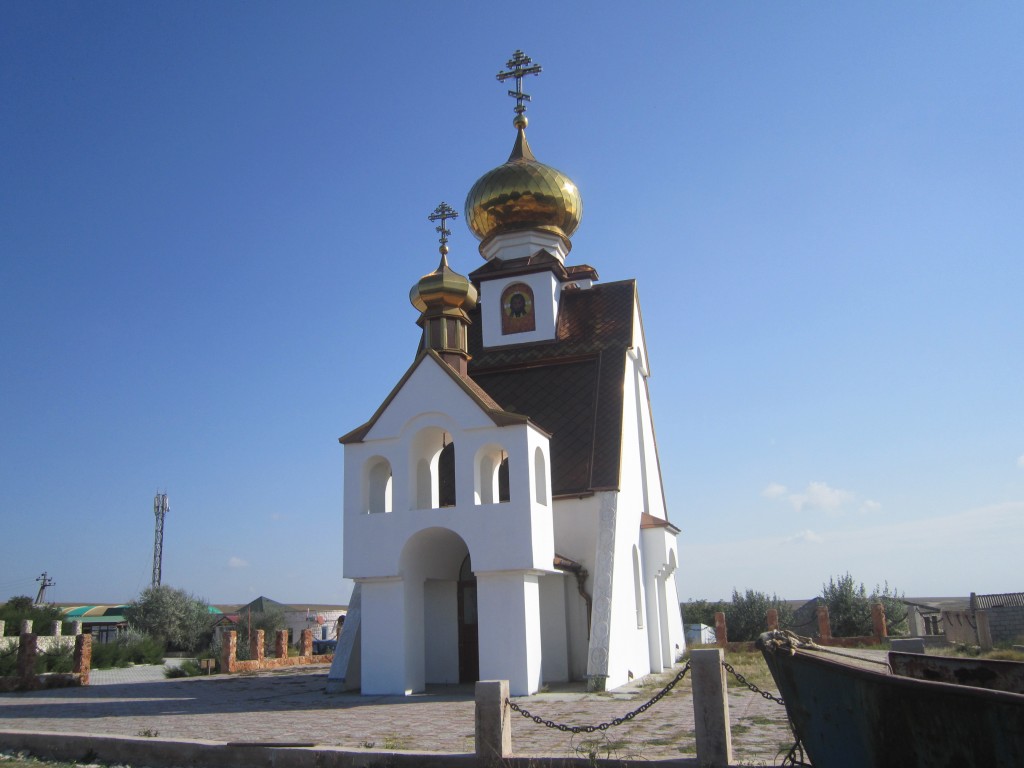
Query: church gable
x=431, y=385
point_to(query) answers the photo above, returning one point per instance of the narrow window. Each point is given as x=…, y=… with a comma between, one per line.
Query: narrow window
x=637, y=590
x=540, y=477
x=503, y=480
x=446, y=476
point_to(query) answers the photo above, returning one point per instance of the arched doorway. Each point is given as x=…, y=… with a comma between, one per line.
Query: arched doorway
x=469, y=637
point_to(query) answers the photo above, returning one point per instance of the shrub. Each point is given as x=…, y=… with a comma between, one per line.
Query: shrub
x=16, y=609
x=747, y=616
x=9, y=661
x=269, y=621
x=849, y=607
x=172, y=616
x=59, y=658
x=187, y=668
x=128, y=648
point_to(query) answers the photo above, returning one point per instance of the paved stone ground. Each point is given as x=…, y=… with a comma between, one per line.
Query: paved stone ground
x=291, y=705
x=139, y=673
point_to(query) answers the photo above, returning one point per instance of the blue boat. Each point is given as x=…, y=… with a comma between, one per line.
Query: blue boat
x=849, y=712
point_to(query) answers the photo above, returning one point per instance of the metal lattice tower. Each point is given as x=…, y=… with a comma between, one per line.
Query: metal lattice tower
x=160, y=508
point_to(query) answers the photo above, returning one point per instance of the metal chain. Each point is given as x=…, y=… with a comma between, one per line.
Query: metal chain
x=603, y=726
x=795, y=756
x=729, y=668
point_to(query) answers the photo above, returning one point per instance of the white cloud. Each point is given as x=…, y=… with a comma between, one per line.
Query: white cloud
x=806, y=535
x=820, y=497
x=773, y=491
x=902, y=552
x=1020, y=461
x=870, y=506
x=237, y=562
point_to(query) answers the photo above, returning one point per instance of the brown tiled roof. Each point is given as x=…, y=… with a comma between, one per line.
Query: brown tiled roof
x=648, y=520
x=528, y=264
x=570, y=387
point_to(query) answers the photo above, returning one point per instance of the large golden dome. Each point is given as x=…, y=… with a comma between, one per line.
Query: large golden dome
x=523, y=194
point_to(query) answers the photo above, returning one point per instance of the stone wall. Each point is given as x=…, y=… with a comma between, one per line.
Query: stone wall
x=229, y=662
x=25, y=678
x=1006, y=623
x=54, y=639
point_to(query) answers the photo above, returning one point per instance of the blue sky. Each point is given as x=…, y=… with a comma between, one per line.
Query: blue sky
x=211, y=214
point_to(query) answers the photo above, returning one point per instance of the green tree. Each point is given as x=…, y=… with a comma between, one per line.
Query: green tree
x=269, y=621
x=172, y=616
x=702, y=611
x=849, y=607
x=17, y=609
x=746, y=616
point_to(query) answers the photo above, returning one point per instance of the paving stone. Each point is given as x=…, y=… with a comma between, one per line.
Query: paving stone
x=291, y=705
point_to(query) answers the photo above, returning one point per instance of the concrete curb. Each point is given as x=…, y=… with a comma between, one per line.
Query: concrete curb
x=173, y=753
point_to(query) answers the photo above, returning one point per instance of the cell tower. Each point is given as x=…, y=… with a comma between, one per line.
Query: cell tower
x=160, y=508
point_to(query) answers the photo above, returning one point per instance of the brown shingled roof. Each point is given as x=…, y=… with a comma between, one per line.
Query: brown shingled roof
x=529, y=264
x=570, y=387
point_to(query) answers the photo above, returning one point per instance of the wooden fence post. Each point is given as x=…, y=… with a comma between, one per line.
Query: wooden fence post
x=710, y=708
x=493, y=722
x=773, y=619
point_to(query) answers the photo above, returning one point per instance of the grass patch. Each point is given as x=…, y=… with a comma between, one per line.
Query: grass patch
x=25, y=760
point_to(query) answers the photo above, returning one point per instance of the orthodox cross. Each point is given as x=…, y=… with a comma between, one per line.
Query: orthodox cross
x=443, y=212
x=518, y=66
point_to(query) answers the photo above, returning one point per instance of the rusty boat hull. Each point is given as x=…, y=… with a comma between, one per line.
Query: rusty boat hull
x=849, y=714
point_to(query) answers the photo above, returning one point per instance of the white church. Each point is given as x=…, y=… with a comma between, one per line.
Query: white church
x=504, y=516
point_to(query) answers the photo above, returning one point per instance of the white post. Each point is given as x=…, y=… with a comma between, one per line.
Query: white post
x=710, y=708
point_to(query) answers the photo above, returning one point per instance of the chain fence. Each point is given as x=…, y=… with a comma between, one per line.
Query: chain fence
x=603, y=726
x=794, y=757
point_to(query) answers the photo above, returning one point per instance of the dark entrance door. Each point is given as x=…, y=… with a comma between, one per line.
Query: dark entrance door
x=469, y=641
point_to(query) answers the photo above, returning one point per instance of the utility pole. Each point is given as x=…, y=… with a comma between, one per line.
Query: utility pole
x=160, y=508
x=44, y=582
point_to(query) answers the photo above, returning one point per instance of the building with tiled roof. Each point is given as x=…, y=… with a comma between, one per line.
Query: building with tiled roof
x=504, y=512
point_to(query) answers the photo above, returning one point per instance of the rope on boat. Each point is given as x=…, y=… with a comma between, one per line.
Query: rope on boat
x=782, y=640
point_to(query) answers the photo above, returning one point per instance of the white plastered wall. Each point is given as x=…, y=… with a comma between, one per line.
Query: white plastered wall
x=644, y=628
x=547, y=291
x=511, y=543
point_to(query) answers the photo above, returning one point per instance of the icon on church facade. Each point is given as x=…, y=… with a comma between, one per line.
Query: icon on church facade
x=517, y=314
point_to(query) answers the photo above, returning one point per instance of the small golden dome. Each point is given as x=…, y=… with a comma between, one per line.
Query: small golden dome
x=523, y=194
x=443, y=288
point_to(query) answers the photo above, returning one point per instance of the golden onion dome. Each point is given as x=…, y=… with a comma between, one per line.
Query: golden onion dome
x=443, y=288
x=523, y=194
